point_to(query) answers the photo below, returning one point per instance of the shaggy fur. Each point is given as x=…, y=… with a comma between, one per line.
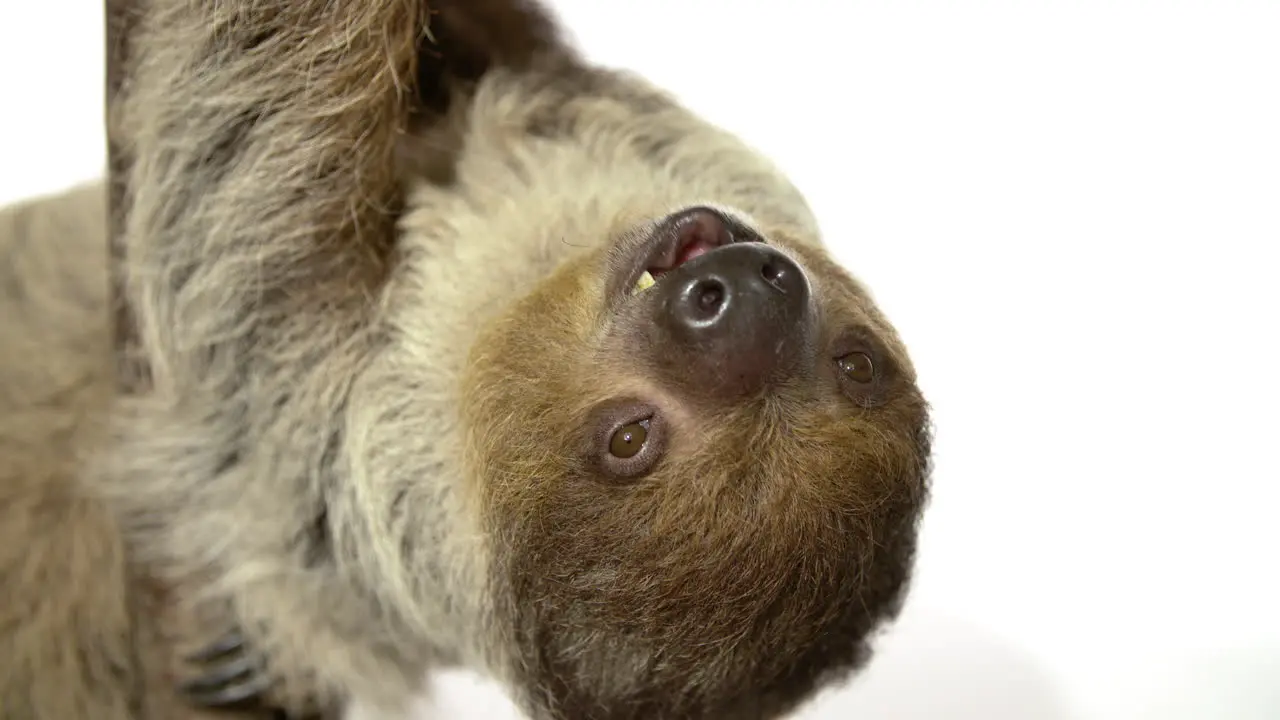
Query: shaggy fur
x=361, y=266
x=84, y=634
x=54, y=364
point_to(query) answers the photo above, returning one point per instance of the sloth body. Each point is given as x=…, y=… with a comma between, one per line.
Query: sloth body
x=598, y=417
x=85, y=634
x=64, y=616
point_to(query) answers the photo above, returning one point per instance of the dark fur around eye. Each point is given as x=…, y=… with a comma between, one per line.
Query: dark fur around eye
x=625, y=439
x=864, y=370
x=858, y=367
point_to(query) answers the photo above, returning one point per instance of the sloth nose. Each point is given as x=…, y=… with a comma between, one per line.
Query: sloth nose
x=740, y=312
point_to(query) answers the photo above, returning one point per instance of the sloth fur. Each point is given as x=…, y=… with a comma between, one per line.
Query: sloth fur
x=316, y=368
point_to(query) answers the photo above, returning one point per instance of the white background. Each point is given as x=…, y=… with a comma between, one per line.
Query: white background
x=1071, y=209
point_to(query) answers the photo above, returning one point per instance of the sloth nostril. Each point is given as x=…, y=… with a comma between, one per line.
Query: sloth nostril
x=710, y=295
x=774, y=273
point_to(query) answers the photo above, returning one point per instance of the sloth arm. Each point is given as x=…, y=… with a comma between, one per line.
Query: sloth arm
x=256, y=233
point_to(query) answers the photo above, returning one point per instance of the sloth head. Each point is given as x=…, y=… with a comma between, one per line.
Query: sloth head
x=700, y=447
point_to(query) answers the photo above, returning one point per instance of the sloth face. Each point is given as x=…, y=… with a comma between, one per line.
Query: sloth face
x=703, y=456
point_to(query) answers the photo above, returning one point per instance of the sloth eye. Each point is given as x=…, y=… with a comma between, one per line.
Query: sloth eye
x=626, y=439
x=858, y=367
x=629, y=439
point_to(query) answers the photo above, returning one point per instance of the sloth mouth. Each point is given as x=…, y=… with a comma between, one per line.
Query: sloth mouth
x=681, y=238
x=672, y=256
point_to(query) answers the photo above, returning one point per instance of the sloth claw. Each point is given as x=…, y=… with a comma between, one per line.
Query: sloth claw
x=225, y=645
x=231, y=674
x=248, y=690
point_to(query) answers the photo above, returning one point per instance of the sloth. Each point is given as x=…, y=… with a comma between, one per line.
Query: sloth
x=450, y=349
x=64, y=615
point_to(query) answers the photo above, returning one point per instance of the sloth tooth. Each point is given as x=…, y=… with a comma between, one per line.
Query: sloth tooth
x=644, y=283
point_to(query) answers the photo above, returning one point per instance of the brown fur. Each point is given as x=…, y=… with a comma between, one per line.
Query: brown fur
x=366, y=291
